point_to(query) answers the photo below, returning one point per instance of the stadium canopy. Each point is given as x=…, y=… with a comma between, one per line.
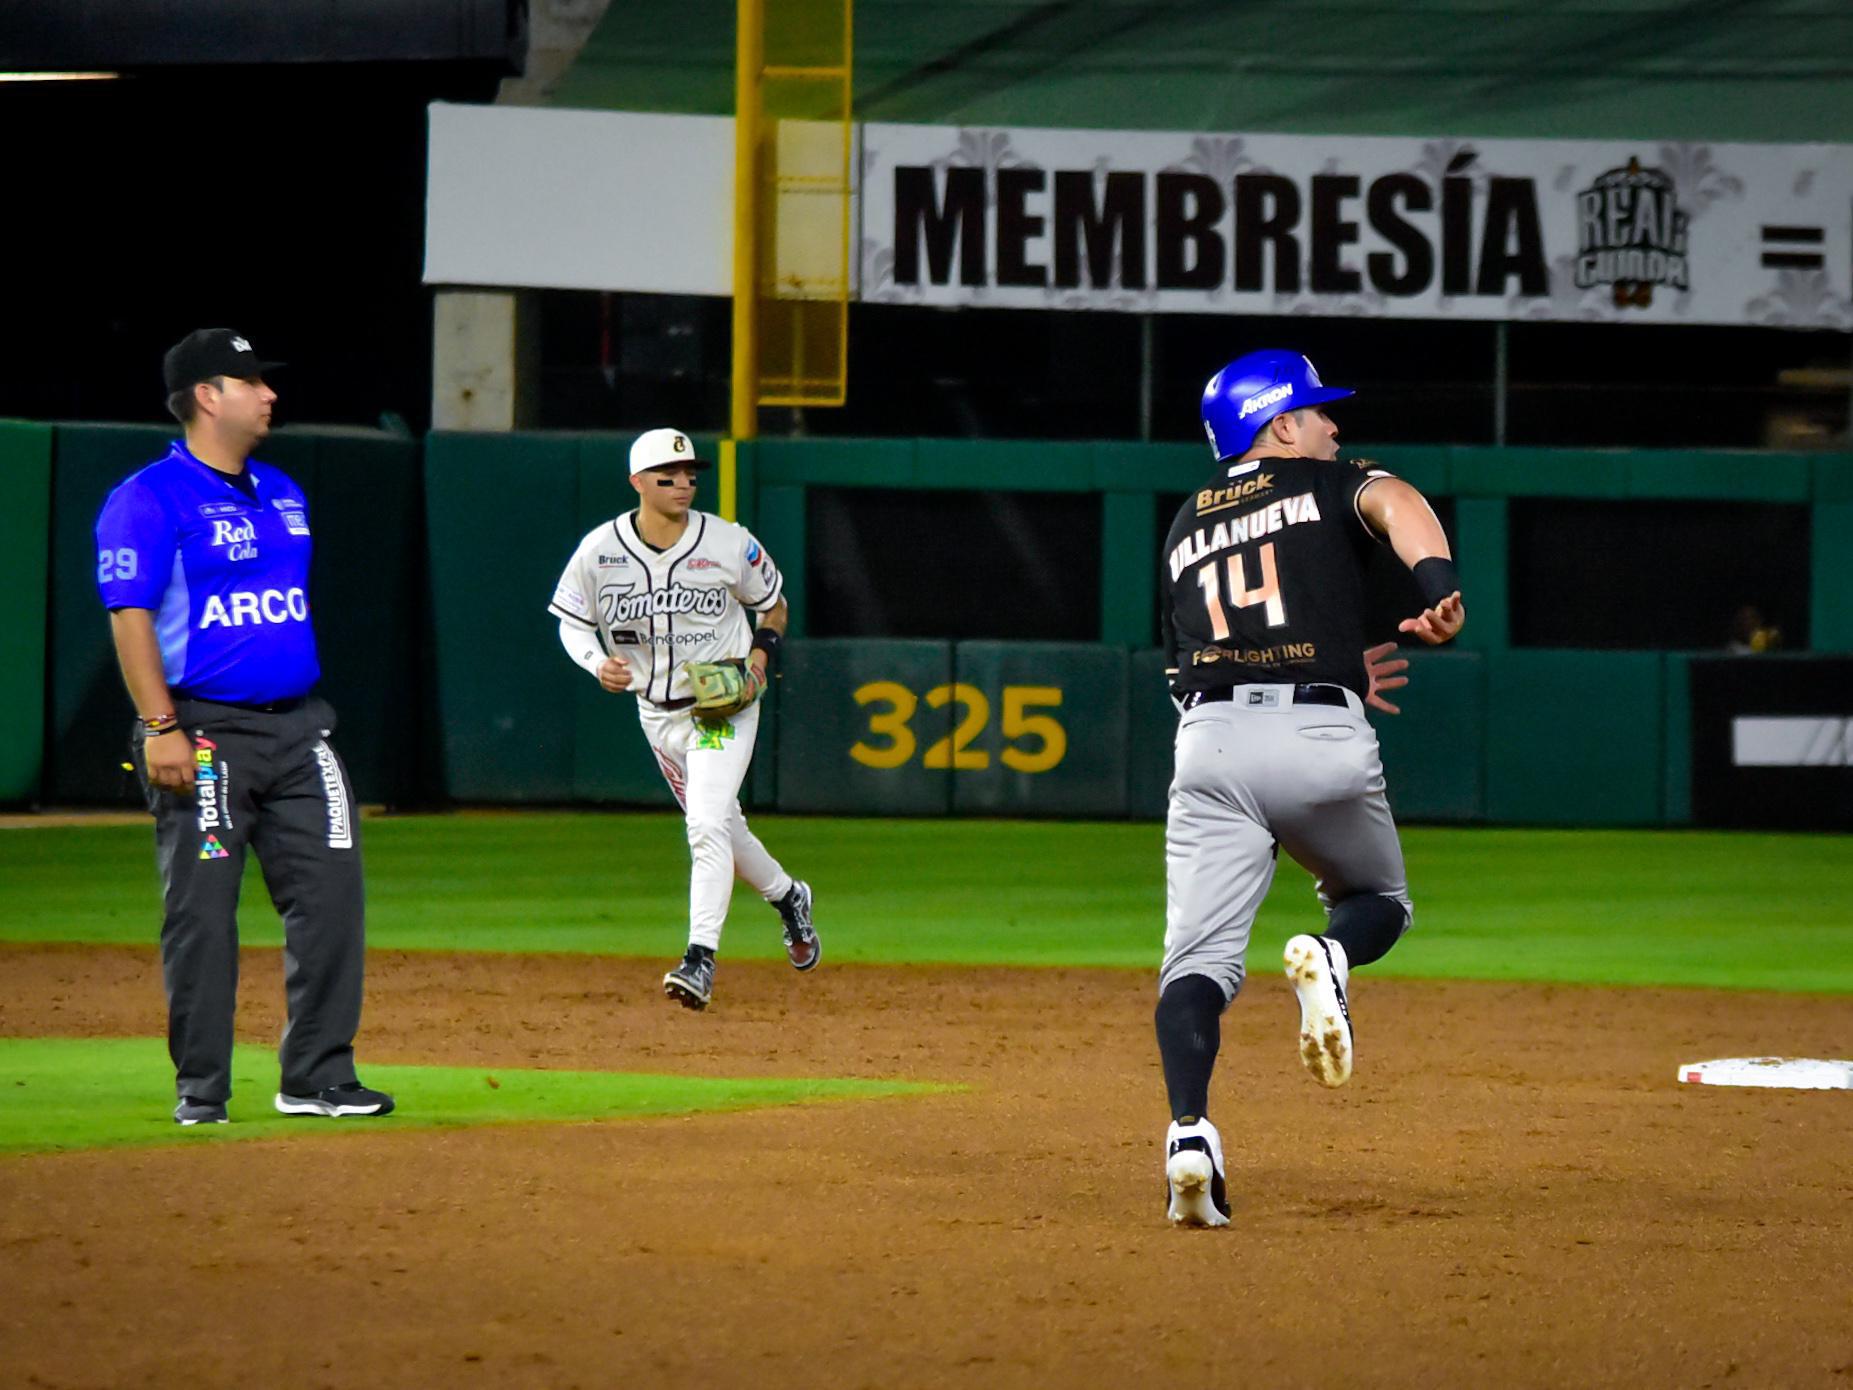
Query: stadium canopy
x=1722, y=70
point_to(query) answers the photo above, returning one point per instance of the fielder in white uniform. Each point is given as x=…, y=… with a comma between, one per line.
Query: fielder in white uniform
x=643, y=595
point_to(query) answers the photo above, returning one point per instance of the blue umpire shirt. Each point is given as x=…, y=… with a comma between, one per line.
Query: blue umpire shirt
x=226, y=577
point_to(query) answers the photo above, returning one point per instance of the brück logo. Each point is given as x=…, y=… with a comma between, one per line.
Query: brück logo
x=1265, y=399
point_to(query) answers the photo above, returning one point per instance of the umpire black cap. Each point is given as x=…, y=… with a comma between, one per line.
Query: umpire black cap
x=209, y=352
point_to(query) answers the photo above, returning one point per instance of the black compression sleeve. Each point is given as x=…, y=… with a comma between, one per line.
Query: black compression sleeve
x=1436, y=578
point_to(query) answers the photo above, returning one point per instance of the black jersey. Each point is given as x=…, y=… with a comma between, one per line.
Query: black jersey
x=1262, y=576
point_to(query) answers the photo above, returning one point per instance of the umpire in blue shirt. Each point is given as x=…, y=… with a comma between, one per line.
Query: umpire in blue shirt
x=203, y=563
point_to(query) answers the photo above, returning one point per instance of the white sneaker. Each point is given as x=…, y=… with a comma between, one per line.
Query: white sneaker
x=1317, y=969
x=1193, y=1175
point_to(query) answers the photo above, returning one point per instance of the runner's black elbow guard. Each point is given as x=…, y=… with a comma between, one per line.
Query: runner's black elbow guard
x=1437, y=579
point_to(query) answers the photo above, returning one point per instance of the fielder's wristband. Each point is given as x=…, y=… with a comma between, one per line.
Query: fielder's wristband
x=153, y=725
x=767, y=640
x=1437, y=579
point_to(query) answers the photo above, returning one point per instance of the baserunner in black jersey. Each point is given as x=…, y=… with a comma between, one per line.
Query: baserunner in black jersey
x=1262, y=589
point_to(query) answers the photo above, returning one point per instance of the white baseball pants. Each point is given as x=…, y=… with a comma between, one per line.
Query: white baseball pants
x=704, y=764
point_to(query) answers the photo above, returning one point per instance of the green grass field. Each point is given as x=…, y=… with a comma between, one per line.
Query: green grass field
x=64, y=1093
x=1745, y=911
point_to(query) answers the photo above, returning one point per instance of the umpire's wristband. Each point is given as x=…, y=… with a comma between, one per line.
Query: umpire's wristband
x=1437, y=579
x=767, y=640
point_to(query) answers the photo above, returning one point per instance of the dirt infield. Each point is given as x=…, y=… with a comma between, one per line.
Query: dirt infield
x=1512, y=1190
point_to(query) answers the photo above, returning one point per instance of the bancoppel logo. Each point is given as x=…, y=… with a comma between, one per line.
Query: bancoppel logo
x=1265, y=399
x=334, y=791
x=1630, y=234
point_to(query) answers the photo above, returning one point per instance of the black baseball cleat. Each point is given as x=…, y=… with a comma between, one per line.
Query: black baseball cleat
x=691, y=984
x=802, y=948
x=332, y=1102
x=199, y=1112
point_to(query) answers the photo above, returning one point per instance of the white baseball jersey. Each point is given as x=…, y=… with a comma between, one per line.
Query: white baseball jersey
x=660, y=608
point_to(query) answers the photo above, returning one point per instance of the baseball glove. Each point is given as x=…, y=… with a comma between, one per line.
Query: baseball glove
x=723, y=688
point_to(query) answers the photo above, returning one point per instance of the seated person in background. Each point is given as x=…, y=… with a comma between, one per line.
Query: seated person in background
x=1750, y=634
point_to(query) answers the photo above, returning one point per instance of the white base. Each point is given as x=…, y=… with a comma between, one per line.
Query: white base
x=1789, y=1073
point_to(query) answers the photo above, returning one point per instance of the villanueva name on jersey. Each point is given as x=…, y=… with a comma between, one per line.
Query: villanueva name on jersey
x=1289, y=511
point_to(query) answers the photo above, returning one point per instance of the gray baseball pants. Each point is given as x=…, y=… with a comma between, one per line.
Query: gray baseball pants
x=1258, y=773
x=266, y=779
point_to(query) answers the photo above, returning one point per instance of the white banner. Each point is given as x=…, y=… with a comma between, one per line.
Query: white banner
x=1790, y=740
x=579, y=200
x=1144, y=221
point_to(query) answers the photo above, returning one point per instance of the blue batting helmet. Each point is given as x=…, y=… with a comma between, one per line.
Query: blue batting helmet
x=1252, y=390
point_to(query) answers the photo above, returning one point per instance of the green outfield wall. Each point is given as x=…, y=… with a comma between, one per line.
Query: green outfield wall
x=25, y=532
x=922, y=727
x=435, y=564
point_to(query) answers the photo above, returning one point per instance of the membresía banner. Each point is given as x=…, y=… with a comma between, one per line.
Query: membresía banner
x=1145, y=221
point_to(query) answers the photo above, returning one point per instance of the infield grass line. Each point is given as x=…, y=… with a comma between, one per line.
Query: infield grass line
x=1702, y=908
x=61, y=1094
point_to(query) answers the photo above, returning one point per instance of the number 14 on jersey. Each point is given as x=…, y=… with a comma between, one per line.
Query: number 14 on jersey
x=1210, y=578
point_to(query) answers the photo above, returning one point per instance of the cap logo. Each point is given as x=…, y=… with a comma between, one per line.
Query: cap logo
x=680, y=444
x=1265, y=399
x=240, y=345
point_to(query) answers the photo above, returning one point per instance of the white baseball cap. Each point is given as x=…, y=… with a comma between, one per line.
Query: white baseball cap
x=658, y=448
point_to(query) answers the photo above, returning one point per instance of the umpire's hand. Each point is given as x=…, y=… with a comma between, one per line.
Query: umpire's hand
x=614, y=675
x=170, y=761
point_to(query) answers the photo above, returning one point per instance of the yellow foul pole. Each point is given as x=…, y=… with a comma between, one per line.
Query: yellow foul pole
x=749, y=60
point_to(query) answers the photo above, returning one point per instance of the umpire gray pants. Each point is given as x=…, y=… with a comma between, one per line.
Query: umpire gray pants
x=1254, y=775
x=268, y=780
